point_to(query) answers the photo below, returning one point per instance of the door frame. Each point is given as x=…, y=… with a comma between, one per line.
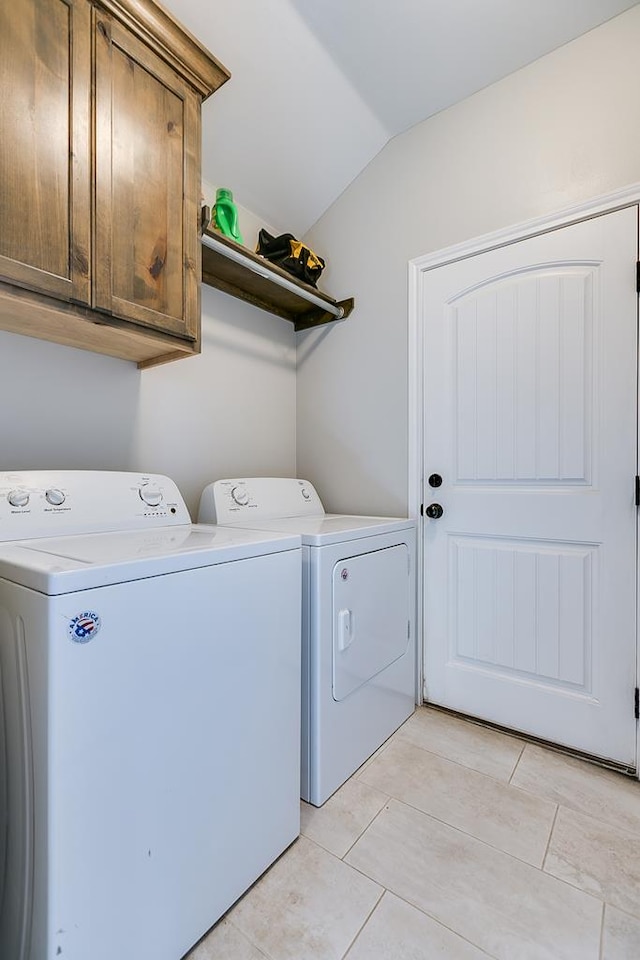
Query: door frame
x=418, y=274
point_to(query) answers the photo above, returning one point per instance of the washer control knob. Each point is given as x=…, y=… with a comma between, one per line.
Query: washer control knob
x=54, y=496
x=240, y=496
x=18, y=498
x=150, y=494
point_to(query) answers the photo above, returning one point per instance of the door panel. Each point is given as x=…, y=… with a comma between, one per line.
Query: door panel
x=45, y=76
x=524, y=385
x=147, y=186
x=153, y=151
x=548, y=590
x=530, y=417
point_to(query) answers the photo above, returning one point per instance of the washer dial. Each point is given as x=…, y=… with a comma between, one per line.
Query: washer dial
x=54, y=496
x=18, y=498
x=150, y=494
x=240, y=496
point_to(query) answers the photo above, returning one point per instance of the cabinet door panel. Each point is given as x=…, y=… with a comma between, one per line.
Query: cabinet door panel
x=146, y=243
x=44, y=147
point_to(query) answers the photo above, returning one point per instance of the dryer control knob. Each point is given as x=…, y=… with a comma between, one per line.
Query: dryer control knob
x=240, y=496
x=18, y=498
x=55, y=497
x=150, y=494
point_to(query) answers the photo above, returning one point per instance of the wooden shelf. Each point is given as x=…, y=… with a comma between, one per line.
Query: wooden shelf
x=234, y=269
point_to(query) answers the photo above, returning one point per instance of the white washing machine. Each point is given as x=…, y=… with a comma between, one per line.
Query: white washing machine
x=358, y=626
x=149, y=732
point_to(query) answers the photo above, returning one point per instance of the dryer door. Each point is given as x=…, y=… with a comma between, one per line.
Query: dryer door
x=371, y=616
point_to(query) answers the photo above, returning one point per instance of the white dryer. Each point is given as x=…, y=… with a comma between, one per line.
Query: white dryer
x=149, y=733
x=358, y=626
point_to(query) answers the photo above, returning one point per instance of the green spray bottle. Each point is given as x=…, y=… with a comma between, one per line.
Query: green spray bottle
x=225, y=215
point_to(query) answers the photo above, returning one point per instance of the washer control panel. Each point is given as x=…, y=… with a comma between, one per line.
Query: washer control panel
x=258, y=498
x=42, y=503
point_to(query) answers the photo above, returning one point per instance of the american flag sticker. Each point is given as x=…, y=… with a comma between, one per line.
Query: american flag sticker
x=84, y=626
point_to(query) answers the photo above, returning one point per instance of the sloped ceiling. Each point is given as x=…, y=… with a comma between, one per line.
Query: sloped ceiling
x=319, y=86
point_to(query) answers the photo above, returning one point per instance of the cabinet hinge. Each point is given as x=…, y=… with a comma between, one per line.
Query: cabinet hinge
x=422, y=509
x=637, y=496
x=637, y=704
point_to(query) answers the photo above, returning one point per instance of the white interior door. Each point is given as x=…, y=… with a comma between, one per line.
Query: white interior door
x=530, y=418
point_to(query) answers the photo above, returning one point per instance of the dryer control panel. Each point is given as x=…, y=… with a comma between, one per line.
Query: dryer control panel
x=44, y=503
x=258, y=498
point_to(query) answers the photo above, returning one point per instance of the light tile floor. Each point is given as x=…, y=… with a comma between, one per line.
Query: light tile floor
x=453, y=842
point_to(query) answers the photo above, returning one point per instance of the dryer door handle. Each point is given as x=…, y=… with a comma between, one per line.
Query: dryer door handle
x=346, y=628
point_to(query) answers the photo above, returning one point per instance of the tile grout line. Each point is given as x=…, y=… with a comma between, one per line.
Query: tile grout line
x=227, y=916
x=580, y=811
x=546, y=849
x=529, y=740
x=444, y=925
x=556, y=749
x=471, y=837
x=370, y=824
x=505, y=853
x=366, y=921
x=566, y=802
x=452, y=826
x=374, y=756
x=473, y=770
x=260, y=950
x=505, y=783
x=459, y=763
x=517, y=764
x=567, y=882
x=414, y=906
x=269, y=956
x=341, y=856
x=600, y=954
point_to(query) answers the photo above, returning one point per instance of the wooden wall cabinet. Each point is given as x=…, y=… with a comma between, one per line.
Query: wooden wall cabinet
x=100, y=176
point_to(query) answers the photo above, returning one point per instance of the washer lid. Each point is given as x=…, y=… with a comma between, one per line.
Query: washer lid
x=331, y=528
x=65, y=564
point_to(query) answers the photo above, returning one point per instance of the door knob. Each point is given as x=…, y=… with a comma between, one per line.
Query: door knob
x=435, y=480
x=434, y=511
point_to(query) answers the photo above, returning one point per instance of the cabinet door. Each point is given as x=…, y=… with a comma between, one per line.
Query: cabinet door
x=45, y=73
x=146, y=253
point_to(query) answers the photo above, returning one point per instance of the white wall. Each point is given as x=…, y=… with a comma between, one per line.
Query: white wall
x=231, y=410
x=561, y=130
x=62, y=408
